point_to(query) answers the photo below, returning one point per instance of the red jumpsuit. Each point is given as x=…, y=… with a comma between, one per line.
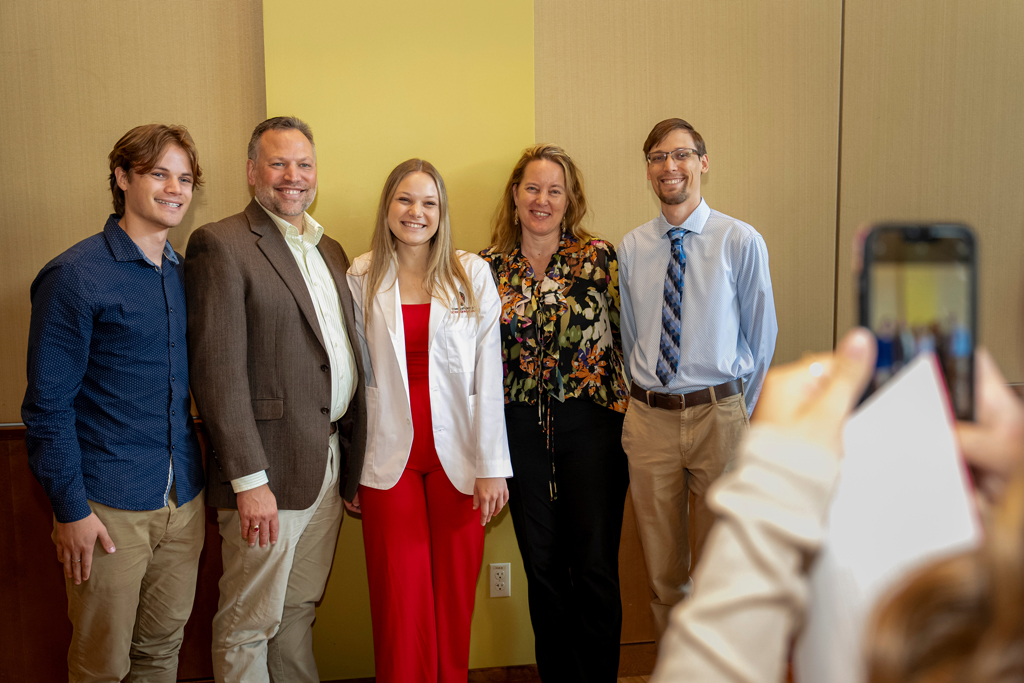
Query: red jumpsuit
x=424, y=545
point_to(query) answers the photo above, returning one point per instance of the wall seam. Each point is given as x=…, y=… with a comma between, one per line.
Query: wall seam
x=839, y=176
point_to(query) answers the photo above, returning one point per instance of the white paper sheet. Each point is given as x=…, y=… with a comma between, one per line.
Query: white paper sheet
x=903, y=500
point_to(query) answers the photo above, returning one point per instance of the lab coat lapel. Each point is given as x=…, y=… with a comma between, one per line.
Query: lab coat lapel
x=439, y=312
x=390, y=300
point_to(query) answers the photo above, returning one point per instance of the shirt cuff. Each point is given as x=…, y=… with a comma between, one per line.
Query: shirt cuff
x=249, y=481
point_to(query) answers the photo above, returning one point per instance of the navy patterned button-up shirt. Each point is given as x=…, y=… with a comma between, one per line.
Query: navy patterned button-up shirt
x=107, y=406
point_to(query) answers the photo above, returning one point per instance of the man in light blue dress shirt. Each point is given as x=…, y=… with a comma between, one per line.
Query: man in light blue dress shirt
x=698, y=334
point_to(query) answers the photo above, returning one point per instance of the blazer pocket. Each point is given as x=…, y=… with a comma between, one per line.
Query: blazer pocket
x=268, y=408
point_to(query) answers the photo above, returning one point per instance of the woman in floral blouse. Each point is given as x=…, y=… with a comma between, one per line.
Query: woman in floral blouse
x=565, y=398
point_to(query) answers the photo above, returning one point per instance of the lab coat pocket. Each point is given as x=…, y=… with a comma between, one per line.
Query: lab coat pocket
x=461, y=347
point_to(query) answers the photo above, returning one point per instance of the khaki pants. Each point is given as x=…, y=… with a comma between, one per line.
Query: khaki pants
x=263, y=627
x=671, y=453
x=128, y=618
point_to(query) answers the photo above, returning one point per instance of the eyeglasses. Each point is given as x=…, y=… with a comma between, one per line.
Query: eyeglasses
x=679, y=155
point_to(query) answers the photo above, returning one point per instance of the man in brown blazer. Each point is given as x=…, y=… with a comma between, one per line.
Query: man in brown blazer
x=271, y=335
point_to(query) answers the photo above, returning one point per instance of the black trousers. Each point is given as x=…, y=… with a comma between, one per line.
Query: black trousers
x=570, y=546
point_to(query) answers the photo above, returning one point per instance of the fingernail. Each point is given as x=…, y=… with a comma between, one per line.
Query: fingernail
x=112, y=548
x=857, y=344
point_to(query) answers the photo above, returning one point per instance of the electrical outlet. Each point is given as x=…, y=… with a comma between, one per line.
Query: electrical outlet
x=501, y=580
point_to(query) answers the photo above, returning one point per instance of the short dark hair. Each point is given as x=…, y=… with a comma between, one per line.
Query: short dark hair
x=665, y=127
x=140, y=149
x=279, y=123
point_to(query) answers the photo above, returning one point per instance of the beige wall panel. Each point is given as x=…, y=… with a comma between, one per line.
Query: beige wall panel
x=760, y=81
x=74, y=77
x=932, y=113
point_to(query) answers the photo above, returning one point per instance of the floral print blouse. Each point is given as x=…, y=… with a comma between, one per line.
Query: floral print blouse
x=560, y=337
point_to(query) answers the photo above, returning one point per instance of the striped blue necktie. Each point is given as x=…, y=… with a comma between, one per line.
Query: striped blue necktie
x=672, y=309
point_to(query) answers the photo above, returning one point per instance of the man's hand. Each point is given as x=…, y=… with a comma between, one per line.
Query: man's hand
x=354, y=506
x=812, y=397
x=489, y=495
x=75, y=542
x=257, y=512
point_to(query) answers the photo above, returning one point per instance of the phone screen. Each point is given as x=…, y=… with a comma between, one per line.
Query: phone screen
x=918, y=294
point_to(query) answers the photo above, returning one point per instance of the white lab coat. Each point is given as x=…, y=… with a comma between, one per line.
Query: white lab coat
x=467, y=403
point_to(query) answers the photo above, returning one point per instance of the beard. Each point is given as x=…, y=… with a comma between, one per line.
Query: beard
x=269, y=200
x=680, y=196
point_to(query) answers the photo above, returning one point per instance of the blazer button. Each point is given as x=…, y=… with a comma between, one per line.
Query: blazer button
x=324, y=411
x=324, y=368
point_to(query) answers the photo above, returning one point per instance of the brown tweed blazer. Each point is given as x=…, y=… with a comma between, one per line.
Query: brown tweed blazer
x=259, y=371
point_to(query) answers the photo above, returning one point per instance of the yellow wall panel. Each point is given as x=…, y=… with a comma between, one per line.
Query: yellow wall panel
x=932, y=111
x=760, y=81
x=74, y=78
x=379, y=83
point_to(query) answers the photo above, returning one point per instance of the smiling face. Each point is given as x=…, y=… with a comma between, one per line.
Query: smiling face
x=675, y=182
x=284, y=173
x=414, y=211
x=158, y=199
x=541, y=198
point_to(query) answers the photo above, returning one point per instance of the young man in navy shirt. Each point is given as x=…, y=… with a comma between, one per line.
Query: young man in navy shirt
x=110, y=434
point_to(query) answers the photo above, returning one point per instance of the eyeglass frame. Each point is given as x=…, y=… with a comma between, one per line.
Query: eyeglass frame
x=691, y=151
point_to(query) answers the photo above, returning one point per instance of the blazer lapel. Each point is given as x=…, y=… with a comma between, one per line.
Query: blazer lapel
x=273, y=246
x=337, y=263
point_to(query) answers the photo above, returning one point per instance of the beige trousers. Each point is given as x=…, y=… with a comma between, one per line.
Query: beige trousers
x=263, y=627
x=671, y=453
x=128, y=618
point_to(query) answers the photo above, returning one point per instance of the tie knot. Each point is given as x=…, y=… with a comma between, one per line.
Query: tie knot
x=676, y=234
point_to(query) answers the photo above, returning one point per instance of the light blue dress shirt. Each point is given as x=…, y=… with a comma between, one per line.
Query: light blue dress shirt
x=728, y=318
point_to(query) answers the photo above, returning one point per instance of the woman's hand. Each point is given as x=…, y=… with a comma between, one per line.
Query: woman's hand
x=489, y=495
x=994, y=444
x=812, y=397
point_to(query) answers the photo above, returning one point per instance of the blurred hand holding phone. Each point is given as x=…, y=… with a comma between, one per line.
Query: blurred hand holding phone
x=903, y=500
x=918, y=293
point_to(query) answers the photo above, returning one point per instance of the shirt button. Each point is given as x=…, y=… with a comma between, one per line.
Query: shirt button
x=324, y=368
x=172, y=310
x=172, y=378
x=324, y=411
x=172, y=448
x=172, y=345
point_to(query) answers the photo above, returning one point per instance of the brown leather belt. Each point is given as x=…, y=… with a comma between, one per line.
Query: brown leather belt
x=683, y=401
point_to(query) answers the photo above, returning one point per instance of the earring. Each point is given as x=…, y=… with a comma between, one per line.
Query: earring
x=516, y=217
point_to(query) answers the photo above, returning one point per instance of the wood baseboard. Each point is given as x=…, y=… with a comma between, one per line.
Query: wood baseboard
x=498, y=674
x=636, y=659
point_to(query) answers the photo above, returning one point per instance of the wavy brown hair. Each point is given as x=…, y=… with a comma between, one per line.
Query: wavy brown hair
x=139, y=150
x=960, y=620
x=444, y=269
x=506, y=233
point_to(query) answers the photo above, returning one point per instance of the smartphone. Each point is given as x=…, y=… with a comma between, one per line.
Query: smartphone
x=919, y=292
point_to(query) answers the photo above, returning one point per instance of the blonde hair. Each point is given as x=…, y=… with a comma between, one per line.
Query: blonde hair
x=961, y=619
x=506, y=233
x=444, y=269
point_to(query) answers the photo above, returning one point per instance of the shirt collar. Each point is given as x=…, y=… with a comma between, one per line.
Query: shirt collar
x=312, y=231
x=123, y=246
x=695, y=223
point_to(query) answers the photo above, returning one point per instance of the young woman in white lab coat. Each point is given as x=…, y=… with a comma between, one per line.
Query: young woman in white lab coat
x=436, y=455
